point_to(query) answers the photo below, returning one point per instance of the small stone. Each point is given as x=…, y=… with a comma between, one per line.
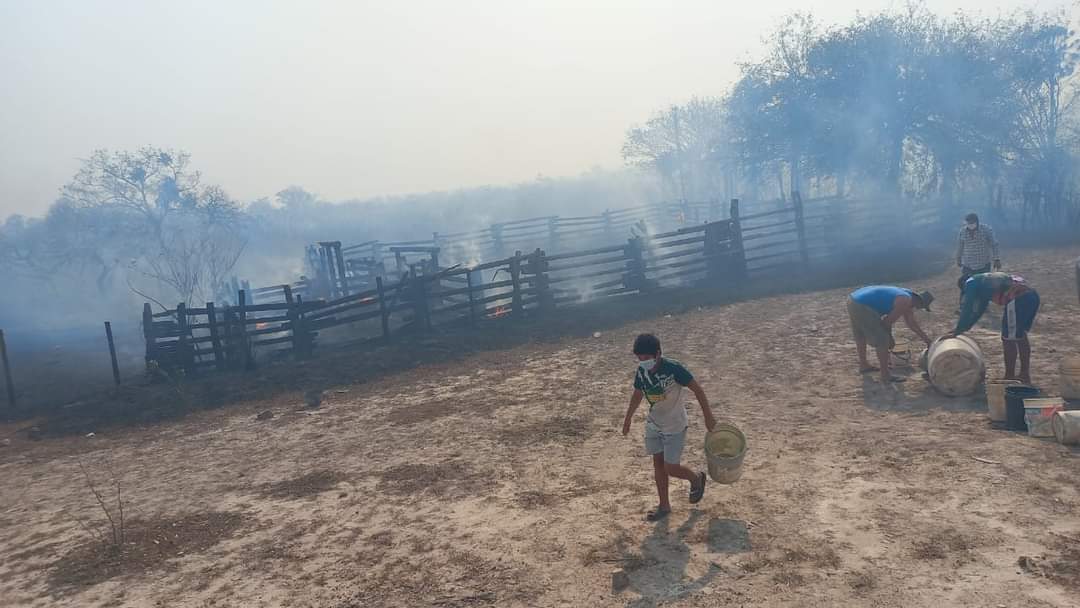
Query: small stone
x=89, y=434
x=596, y=334
x=265, y=415
x=5, y=442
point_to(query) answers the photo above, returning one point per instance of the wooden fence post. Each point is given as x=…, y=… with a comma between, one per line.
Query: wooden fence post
x=635, y=264
x=515, y=276
x=241, y=316
x=472, y=296
x=303, y=338
x=183, y=347
x=538, y=268
x=384, y=313
x=336, y=245
x=215, y=338
x=800, y=227
x=112, y=353
x=294, y=320
x=7, y=371
x=422, y=312
x=738, y=258
x=149, y=335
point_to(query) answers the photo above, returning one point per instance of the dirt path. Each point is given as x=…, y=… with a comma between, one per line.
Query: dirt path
x=502, y=480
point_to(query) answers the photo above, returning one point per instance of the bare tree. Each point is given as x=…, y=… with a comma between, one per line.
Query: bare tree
x=151, y=214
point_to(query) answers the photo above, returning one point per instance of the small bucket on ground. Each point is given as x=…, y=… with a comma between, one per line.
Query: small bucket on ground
x=1014, y=405
x=1039, y=415
x=725, y=447
x=995, y=398
x=901, y=352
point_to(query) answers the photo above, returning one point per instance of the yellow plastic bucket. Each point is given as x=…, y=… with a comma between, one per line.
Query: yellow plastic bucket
x=725, y=447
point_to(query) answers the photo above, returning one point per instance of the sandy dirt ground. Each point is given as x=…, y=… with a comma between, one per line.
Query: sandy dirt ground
x=501, y=479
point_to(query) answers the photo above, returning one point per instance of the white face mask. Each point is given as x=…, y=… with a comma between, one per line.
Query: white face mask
x=972, y=227
x=647, y=364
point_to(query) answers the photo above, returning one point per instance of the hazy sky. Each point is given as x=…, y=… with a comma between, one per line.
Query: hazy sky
x=355, y=99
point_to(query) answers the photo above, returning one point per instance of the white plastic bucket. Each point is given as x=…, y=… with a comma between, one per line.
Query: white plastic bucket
x=1039, y=415
x=725, y=447
x=955, y=366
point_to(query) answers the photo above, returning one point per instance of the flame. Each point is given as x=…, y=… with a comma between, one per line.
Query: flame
x=367, y=300
x=262, y=325
x=500, y=311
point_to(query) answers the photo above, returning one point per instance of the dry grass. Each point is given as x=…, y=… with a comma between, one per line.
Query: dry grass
x=148, y=544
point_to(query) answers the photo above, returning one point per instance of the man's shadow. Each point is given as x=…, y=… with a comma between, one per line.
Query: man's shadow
x=659, y=572
x=915, y=395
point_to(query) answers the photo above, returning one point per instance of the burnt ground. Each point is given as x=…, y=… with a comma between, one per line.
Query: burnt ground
x=499, y=478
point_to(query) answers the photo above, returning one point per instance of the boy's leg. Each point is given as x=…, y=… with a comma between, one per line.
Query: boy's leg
x=673, y=448
x=661, y=475
x=654, y=445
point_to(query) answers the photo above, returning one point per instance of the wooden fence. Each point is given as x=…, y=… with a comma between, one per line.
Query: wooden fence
x=274, y=321
x=519, y=286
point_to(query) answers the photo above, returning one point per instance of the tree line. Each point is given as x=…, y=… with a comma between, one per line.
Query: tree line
x=958, y=109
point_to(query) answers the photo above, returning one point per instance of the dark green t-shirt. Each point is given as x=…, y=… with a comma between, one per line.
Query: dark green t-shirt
x=665, y=390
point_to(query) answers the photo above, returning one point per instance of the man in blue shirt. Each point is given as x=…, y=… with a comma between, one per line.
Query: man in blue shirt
x=873, y=310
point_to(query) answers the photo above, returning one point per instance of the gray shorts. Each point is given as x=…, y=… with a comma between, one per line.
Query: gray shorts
x=670, y=444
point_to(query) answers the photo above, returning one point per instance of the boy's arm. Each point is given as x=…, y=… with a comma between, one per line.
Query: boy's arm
x=703, y=401
x=635, y=400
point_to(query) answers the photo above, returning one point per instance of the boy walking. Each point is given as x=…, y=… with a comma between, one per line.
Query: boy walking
x=663, y=382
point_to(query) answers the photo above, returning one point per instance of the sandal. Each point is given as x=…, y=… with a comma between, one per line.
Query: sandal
x=657, y=514
x=696, y=493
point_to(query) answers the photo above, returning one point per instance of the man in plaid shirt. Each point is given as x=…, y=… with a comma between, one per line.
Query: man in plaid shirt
x=976, y=250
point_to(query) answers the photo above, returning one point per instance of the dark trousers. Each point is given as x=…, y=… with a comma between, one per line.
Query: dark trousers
x=966, y=273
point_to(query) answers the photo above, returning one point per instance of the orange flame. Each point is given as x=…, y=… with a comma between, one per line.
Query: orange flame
x=499, y=312
x=262, y=325
x=367, y=300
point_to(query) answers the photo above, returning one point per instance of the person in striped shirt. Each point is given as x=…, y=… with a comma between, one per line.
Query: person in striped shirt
x=1021, y=304
x=976, y=250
